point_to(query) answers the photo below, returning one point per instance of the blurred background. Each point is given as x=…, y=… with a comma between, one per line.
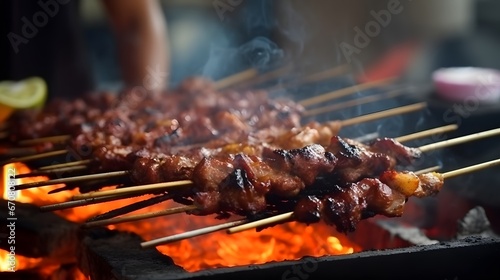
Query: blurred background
x=221, y=37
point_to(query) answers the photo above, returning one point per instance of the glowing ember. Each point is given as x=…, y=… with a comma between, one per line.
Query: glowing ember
x=16, y=262
x=46, y=269
x=283, y=242
x=289, y=241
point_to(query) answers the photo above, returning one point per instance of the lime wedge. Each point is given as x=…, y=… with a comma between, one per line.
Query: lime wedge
x=24, y=94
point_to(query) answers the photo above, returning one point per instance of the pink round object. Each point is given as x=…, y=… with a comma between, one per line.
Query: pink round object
x=468, y=84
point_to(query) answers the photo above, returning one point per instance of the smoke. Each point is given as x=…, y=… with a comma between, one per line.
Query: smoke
x=293, y=26
x=271, y=18
x=261, y=52
x=255, y=35
x=260, y=19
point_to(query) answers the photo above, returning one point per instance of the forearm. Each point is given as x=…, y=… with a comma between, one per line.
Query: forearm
x=142, y=42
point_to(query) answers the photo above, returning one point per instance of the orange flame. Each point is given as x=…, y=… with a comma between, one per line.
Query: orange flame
x=289, y=241
x=283, y=242
x=11, y=262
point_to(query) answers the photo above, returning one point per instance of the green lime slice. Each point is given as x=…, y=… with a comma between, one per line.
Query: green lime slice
x=27, y=93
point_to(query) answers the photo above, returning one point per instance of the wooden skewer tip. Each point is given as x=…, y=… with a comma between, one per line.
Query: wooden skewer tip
x=472, y=168
x=132, y=218
x=35, y=157
x=55, y=171
x=50, y=139
x=384, y=114
x=262, y=222
x=135, y=189
x=426, y=133
x=83, y=202
x=236, y=78
x=191, y=234
x=343, y=92
x=427, y=170
x=75, y=179
x=352, y=103
x=460, y=140
x=67, y=164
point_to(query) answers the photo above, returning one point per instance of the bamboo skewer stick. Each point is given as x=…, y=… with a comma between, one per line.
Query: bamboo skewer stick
x=67, y=164
x=132, y=218
x=17, y=151
x=136, y=189
x=84, y=202
x=426, y=133
x=35, y=157
x=50, y=139
x=265, y=77
x=191, y=234
x=236, y=78
x=384, y=114
x=271, y=220
x=316, y=77
x=410, y=137
x=413, y=136
x=75, y=179
x=132, y=207
x=344, y=92
x=352, y=103
x=326, y=74
x=286, y=217
x=427, y=170
x=472, y=168
x=460, y=140
x=48, y=172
